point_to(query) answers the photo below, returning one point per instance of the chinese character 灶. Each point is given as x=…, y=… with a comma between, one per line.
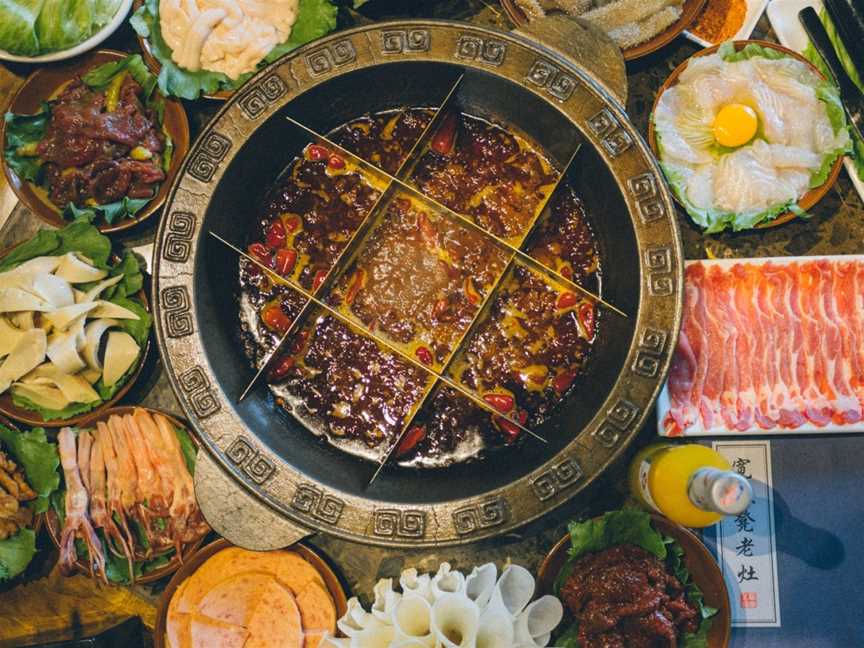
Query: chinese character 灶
x=740, y=466
x=745, y=547
x=743, y=522
x=747, y=573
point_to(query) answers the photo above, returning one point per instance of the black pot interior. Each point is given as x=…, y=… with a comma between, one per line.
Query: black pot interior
x=233, y=211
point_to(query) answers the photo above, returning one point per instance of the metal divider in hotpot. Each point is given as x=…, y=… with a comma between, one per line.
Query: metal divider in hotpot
x=446, y=371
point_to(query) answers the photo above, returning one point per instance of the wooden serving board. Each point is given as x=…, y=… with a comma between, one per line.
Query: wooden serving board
x=663, y=400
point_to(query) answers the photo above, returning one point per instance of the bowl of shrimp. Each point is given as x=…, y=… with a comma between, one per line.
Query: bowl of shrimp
x=126, y=511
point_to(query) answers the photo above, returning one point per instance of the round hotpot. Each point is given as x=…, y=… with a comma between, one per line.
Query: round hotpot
x=262, y=479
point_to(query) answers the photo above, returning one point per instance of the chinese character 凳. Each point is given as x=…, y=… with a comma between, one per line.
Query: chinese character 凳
x=743, y=522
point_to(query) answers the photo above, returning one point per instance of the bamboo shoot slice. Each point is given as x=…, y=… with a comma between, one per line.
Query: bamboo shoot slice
x=120, y=354
x=74, y=270
x=93, y=333
x=63, y=318
x=63, y=351
x=110, y=309
x=26, y=356
x=9, y=337
x=15, y=299
x=53, y=290
x=95, y=291
x=42, y=395
x=73, y=387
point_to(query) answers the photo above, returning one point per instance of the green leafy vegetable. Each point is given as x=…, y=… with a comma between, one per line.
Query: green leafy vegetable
x=72, y=409
x=16, y=553
x=188, y=449
x=39, y=460
x=126, y=207
x=315, y=18
x=23, y=133
x=18, y=26
x=99, y=77
x=31, y=27
x=43, y=244
x=632, y=526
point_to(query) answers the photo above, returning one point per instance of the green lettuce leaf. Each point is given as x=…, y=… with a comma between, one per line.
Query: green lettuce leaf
x=126, y=207
x=39, y=460
x=140, y=328
x=24, y=132
x=99, y=77
x=18, y=26
x=87, y=240
x=315, y=18
x=64, y=23
x=728, y=53
x=43, y=244
x=632, y=526
x=16, y=553
x=188, y=449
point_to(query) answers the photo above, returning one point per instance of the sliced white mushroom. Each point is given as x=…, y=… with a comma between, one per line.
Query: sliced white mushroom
x=9, y=336
x=110, y=309
x=16, y=299
x=62, y=318
x=23, y=320
x=63, y=351
x=53, y=289
x=75, y=269
x=73, y=387
x=95, y=291
x=27, y=354
x=120, y=354
x=93, y=333
x=41, y=395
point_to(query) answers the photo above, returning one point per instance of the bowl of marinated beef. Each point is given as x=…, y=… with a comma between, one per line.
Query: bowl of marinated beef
x=422, y=313
x=93, y=139
x=629, y=578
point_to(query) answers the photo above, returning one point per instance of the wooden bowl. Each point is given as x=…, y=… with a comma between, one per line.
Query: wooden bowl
x=190, y=566
x=52, y=522
x=43, y=84
x=806, y=201
x=689, y=13
x=698, y=560
x=34, y=419
x=156, y=67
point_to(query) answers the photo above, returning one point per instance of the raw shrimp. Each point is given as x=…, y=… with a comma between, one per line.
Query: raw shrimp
x=98, y=510
x=195, y=525
x=152, y=501
x=115, y=507
x=77, y=522
x=85, y=440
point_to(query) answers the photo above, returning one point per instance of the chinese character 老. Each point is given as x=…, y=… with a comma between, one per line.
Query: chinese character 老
x=745, y=547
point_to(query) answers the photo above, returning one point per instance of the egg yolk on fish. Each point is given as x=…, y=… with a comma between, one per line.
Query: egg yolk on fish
x=735, y=125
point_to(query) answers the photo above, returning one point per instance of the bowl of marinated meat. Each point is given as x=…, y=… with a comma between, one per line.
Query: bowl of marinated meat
x=93, y=139
x=416, y=299
x=631, y=578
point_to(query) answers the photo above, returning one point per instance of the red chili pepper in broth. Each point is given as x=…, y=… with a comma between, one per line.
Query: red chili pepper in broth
x=562, y=381
x=588, y=318
x=316, y=152
x=424, y=355
x=427, y=230
x=320, y=276
x=444, y=140
x=501, y=402
x=414, y=436
x=566, y=300
x=471, y=292
x=275, y=318
x=356, y=285
x=336, y=162
x=280, y=368
x=260, y=252
x=291, y=224
x=276, y=234
x=299, y=341
x=510, y=430
x=285, y=260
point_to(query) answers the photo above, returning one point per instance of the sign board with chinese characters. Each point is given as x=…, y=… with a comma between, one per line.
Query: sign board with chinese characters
x=747, y=543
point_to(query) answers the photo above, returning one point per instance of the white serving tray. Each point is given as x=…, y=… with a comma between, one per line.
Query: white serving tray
x=754, y=12
x=663, y=403
x=783, y=15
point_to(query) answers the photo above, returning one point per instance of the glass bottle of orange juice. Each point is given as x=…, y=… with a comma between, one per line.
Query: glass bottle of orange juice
x=691, y=484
